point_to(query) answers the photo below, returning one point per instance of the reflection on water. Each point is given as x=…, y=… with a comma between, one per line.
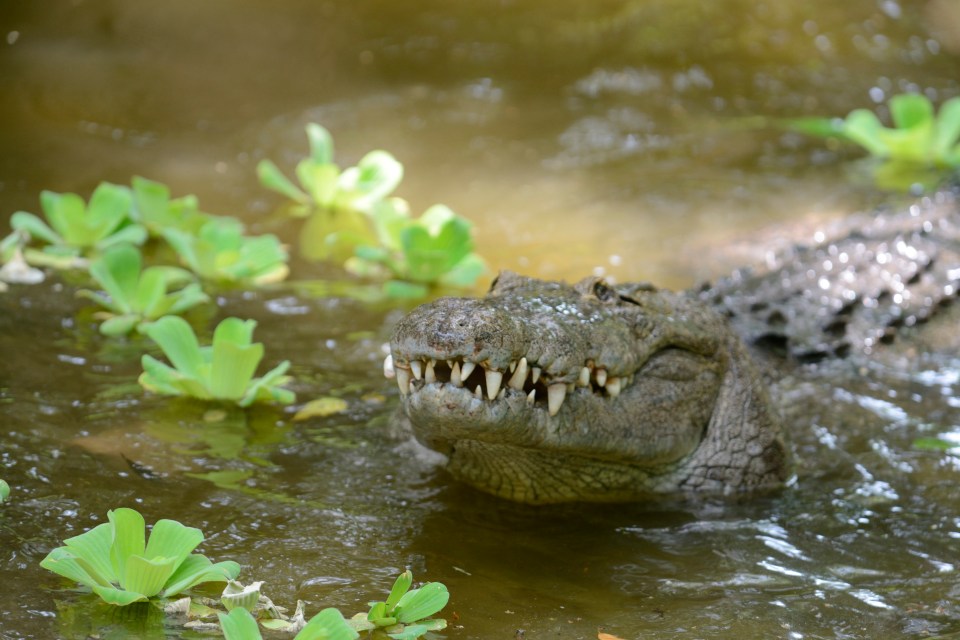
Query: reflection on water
x=611, y=136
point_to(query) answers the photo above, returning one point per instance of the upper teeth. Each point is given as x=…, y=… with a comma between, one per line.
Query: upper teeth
x=523, y=374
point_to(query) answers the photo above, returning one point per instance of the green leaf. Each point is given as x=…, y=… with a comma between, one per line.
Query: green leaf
x=374, y=178
x=109, y=207
x=321, y=144
x=435, y=244
x=147, y=576
x=413, y=631
x=132, y=234
x=170, y=539
x=129, y=539
x=327, y=625
x=4, y=491
x=320, y=181
x=118, y=272
x=119, y=597
x=239, y=624
x=400, y=587
x=161, y=378
x=63, y=562
x=864, y=128
x=150, y=199
x=909, y=110
x=422, y=603
x=466, y=272
x=178, y=342
x=187, y=298
x=197, y=569
x=119, y=325
x=235, y=360
x=390, y=217
x=272, y=178
x=93, y=549
x=65, y=213
x=267, y=387
x=947, y=130
x=378, y=612
x=35, y=227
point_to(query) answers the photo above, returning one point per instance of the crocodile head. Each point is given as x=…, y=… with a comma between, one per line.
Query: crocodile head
x=545, y=392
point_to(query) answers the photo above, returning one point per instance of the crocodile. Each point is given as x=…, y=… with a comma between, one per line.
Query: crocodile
x=544, y=392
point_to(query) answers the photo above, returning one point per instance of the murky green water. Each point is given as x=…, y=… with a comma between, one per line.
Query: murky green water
x=578, y=136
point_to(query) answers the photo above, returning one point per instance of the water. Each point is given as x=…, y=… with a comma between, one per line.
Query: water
x=612, y=136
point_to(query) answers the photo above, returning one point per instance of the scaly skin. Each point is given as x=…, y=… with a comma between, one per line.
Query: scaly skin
x=681, y=407
x=627, y=392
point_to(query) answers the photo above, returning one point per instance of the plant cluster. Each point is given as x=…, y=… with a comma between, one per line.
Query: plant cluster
x=75, y=232
x=354, y=220
x=105, y=236
x=119, y=564
x=920, y=138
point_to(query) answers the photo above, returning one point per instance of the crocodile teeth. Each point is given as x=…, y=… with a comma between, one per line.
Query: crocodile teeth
x=416, y=368
x=555, y=395
x=494, y=378
x=531, y=397
x=403, y=380
x=513, y=366
x=613, y=387
x=388, y=371
x=478, y=392
x=455, y=378
x=584, y=379
x=429, y=375
x=519, y=376
x=601, y=377
x=467, y=369
x=534, y=374
x=503, y=392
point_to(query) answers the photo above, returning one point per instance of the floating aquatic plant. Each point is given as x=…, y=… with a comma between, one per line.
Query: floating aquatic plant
x=4, y=491
x=353, y=221
x=117, y=562
x=74, y=228
x=405, y=614
x=324, y=186
x=157, y=211
x=133, y=296
x=223, y=371
x=918, y=139
x=436, y=248
x=220, y=251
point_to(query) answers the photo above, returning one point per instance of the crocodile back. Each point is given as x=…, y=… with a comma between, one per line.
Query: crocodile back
x=853, y=287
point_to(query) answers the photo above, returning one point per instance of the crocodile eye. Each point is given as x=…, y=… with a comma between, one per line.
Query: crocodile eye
x=493, y=285
x=603, y=291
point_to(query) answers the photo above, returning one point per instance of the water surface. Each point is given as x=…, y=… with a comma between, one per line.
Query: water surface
x=617, y=137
